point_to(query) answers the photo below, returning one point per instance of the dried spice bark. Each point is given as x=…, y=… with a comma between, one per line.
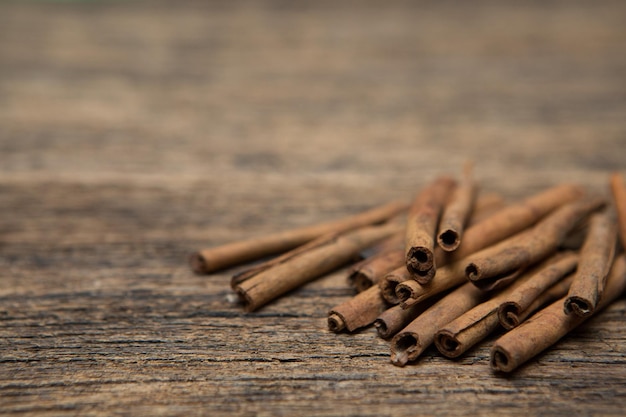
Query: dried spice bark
x=549, y=325
x=271, y=283
x=220, y=257
x=596, y=257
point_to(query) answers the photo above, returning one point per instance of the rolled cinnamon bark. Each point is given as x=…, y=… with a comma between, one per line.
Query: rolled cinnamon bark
x=221, y=257
x=496, y=266
x=596, y=257
x=370, y=271
x=456, y=337
x=512, y=220
x=390, y=282
x=512, y=313
x=411, y=342
x=618, y=188
x=457, y=212
x=359, y=311
x=396, y=318
x=549, y=325
x=273, y=282
x=248, y=273
x=421, y=228
x=500, y=225
x=411, y=292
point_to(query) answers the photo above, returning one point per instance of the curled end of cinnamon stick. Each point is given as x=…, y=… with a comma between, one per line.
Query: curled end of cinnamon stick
x=508, y=315
x=198, y=263
x=449, y=240
x=489, y=283
x=500, y=360
x=388, y=288
x=361, y=282
x=246, y=300
x=419, y=260
x=336, y=323
x=579, y=306
x=448, y=344
x=404, y=347
x=382, y=329
x=472, y=272
x=407, y=290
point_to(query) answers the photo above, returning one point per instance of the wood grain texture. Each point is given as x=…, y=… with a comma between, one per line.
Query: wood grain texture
x=132, y=133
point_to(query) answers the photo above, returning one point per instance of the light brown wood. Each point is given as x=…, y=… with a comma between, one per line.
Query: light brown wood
x=132, y=134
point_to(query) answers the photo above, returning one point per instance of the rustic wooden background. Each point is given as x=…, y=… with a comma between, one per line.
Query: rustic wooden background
x=132, y=133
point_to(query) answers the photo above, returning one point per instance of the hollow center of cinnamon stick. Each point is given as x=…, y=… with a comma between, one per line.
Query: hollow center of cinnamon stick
x=402, y=348
x=449, y=238
x=499, y=360
x=579, y=306
x=335, y=323
x=403, y=293
x=448, y=343
x=510, y=318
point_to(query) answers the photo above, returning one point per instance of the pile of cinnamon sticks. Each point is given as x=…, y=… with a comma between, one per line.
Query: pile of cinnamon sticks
x=453, y=267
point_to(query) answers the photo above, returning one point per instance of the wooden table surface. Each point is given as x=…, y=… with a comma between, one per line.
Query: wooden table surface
x=132, y=133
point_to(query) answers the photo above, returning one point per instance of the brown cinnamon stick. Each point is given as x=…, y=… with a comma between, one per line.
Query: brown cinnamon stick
x=248, y=273
x=498, y=265
x=618, y=188
x=359, y=311
x=596, y=257
x=456, y=212
x=549, y=325
x=502, y=224
x=411, y=292
x=273, y=282
x=512, y=220
x=512, y=313
x=390, y=282
x=486, y=205
x=456, y=337
x=408, y=344
x=221, y=257
x=396, y=318
x=370, y=271
x=421, y=227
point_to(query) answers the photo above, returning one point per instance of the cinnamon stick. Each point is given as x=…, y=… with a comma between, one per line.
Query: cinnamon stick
x=456, y=337
x=221, y=257
x=457, y=212
x=421, y=227
x=485, y=206
x=273, y=282
x=512, y=220
x=390, y=282
x=411, y=292
x=596, y=257
x=618, y=188
x=248, y=273
x=359, y=311
x=370, y=271
x=502, y=224
x=496, y=266
x=396, y=318
x=411, y=342
x=512, y=313
x=549, y=325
